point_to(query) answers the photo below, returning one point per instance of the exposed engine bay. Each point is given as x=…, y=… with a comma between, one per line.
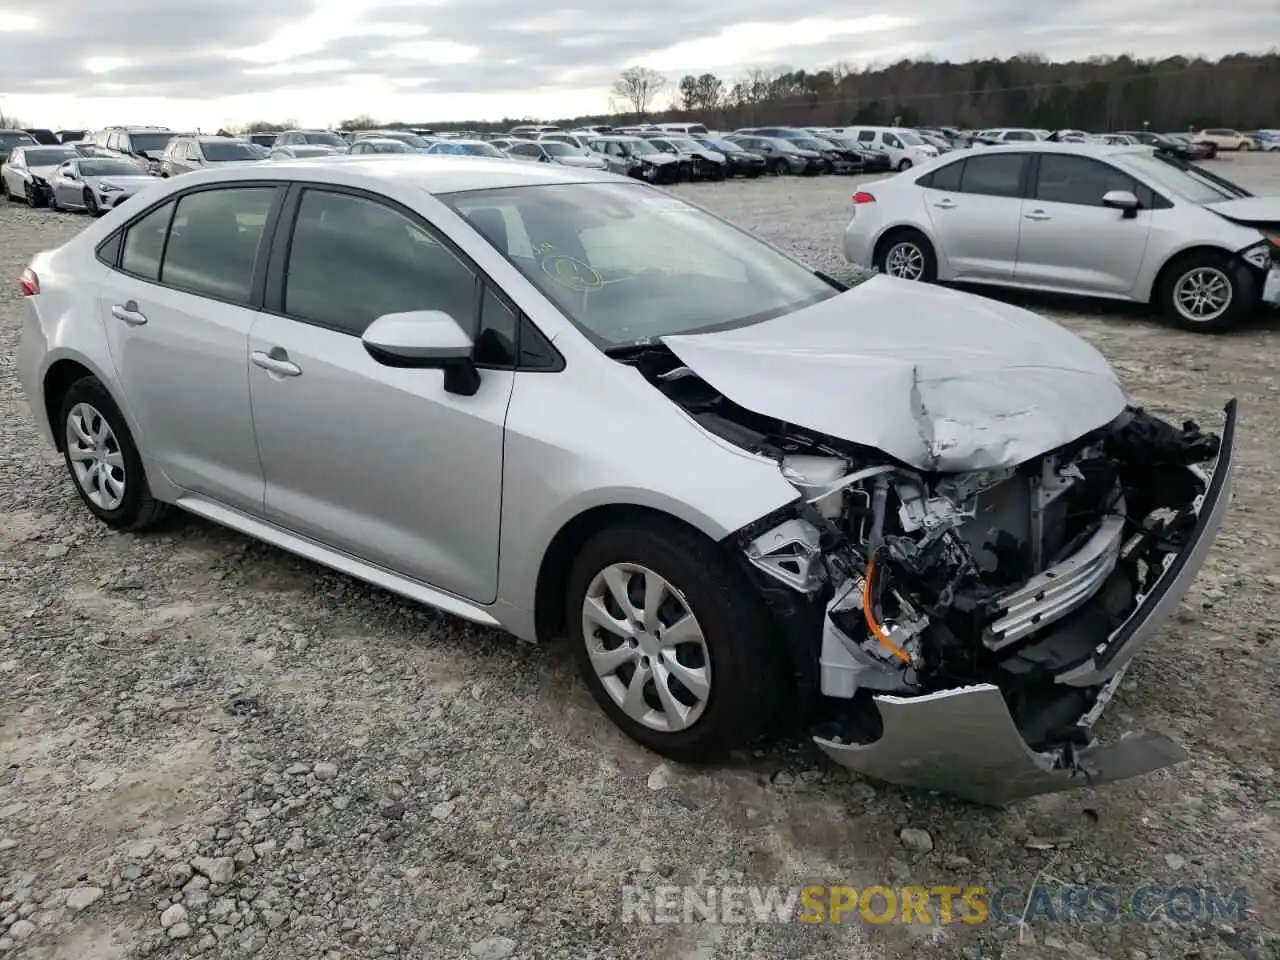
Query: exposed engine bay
x=964, y=631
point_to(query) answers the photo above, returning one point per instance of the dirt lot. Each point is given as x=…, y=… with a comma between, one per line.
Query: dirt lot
x=209, y=747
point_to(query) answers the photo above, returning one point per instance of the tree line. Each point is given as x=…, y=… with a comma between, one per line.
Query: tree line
x=1099, y=94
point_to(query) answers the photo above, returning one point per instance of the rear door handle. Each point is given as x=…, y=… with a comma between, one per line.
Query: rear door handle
x=128, y=312
x=945, y=204
x=281, y=365
x=1038, y=215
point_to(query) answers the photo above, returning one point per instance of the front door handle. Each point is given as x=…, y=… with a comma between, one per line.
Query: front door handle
x=1038, y=215
x=128, y=312
x=945, y=205
x=280, y=364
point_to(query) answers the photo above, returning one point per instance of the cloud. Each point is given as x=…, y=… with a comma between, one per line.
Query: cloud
x=218, y=60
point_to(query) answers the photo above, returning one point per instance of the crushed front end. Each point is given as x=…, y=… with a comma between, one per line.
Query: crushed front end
x=976, y=625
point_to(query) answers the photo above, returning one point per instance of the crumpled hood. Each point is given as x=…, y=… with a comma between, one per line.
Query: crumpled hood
x=1249, y=209
x=582, y=161
x=938, y=379
x=123, y=181
x=44, y=172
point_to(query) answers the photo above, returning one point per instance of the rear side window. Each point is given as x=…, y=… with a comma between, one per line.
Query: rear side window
x=996, y=175
x=213, y=242
x=945, y=178
x=144, y=243
x=866, y=136
x=352, y=259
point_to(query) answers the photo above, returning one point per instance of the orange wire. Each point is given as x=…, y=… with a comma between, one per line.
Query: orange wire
x=870, y=617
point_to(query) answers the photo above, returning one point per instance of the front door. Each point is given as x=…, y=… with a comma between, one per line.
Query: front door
x=1069, y=240
x=177, y=315
x=377, y=461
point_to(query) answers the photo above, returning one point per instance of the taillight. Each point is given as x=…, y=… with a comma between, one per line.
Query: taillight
x=863, y=197
x=29, y=283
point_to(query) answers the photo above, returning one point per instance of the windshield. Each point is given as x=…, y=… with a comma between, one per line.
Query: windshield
x=91, y=150
x=217, y=152
x=148, y=142
x=390, y=146
x=10, y=139
x=108, y=167
x=627, y=263
x=325, y=139
x=808, y=143
x=685, y=143
x=1190, y=184
x=910, y=139
x=558, y=149
x=640, y=148
x=412, y=139
x=482, y=150
x=724, y=146
x=48, y=158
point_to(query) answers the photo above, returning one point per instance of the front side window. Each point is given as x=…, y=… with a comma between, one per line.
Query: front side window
x=993, y=176
x=352, y=260
x=626, y=263
x=213, y=242
x=1079, y=180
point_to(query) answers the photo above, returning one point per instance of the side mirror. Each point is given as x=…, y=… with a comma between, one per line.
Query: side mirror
x=425, y=339
x=1121, y=200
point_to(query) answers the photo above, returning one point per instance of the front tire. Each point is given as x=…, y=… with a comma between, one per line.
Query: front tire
x=29, y=195
x=673, y=641
x=103, y=460
x=904, y=164
x=91, y=203
x=781, y=168
x=908, y=255
x=1207, y=292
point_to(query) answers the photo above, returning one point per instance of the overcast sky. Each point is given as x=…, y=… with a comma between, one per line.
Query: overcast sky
x=207, y=63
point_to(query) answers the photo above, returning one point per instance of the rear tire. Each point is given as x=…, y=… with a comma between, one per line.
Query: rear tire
x=726, y=641
x=95, y=434
x=906, y=254
x=1207, y=292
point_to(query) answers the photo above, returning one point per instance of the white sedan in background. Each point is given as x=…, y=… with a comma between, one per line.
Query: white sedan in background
x=1121, y=222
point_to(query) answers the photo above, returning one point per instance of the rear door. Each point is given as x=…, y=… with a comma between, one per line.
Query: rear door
x=1069, y=240
x=177, y=308
x=975, y=206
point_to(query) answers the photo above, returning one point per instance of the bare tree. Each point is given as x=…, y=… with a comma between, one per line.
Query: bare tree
x=268, y=126
x=639, y=86
x=9, y=122
x=362, y=122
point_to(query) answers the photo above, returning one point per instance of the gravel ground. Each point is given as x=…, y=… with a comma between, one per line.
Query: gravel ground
x=210, y=747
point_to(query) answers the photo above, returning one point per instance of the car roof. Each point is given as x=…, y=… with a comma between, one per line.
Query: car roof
x=434, y=174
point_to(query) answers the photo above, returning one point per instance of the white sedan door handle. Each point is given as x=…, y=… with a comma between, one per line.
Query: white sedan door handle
x=278, y=365
x=128, y=312
x=1038, y=215
x=945, y=205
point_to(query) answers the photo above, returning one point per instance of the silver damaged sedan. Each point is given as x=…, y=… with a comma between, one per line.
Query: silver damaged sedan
x=566, y=403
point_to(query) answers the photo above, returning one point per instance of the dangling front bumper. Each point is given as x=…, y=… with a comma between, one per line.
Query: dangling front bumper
x=964, y=741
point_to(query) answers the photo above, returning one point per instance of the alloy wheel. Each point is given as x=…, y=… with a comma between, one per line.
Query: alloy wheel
x=904, y=260
x=1203, y=294
x=96, y=458
x=646, y=647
